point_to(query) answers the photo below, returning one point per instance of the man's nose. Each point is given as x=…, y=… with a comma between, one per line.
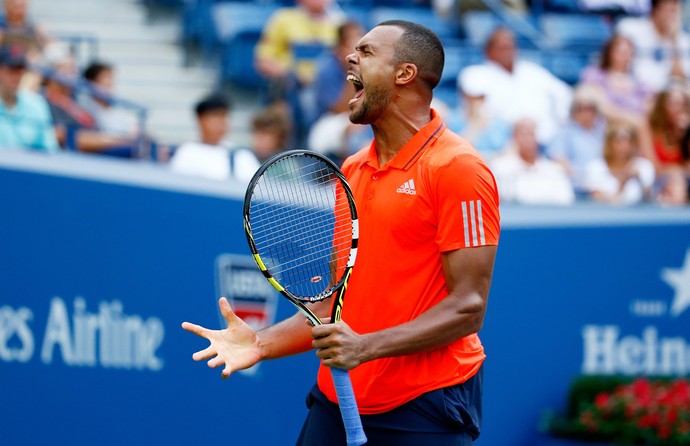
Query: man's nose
x=352, y=59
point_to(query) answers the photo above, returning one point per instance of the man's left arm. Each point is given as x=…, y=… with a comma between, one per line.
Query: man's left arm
x=468, y=275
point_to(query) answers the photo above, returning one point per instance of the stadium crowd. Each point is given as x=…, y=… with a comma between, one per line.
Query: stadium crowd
x=620, y=134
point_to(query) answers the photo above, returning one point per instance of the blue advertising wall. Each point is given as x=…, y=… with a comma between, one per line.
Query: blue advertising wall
x=101, y=260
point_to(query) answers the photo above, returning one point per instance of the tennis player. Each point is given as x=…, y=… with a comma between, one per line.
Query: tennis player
x=429, y=229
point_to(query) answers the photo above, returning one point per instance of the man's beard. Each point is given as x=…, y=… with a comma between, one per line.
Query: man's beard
x=373, y=105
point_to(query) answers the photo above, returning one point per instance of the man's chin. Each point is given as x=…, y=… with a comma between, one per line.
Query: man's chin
x=357, y=117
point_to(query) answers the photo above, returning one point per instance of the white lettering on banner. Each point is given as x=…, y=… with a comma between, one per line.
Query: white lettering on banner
x=108, y=338
x=607, y=353
x=648, y=308
x=14, y=328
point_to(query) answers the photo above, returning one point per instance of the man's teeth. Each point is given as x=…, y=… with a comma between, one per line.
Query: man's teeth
x=352, y=78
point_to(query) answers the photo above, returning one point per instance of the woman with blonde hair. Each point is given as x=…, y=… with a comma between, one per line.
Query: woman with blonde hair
x=620, y=176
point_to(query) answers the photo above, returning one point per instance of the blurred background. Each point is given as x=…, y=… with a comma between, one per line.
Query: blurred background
x=130, y=128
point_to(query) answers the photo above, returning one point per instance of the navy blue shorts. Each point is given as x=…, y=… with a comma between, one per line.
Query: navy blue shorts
x=445, y=417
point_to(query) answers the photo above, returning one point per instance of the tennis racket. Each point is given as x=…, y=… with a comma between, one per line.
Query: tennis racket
x=301, y=225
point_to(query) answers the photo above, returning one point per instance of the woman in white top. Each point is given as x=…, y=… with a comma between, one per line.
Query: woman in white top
x=620, y=176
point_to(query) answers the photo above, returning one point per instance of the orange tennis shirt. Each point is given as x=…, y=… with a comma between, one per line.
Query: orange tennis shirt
x=436, y=195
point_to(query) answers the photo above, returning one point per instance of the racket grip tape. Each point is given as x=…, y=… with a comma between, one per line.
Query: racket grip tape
x=348, y=407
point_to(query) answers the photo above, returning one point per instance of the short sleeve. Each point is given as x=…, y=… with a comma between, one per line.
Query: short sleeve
x=466, y=202
x=272, y=44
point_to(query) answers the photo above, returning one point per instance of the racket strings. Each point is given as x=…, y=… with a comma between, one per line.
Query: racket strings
x=302, y=226
x=264, y=232
x=314, y=247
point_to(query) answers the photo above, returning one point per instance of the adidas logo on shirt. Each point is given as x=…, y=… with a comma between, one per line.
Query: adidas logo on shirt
x=407, y=188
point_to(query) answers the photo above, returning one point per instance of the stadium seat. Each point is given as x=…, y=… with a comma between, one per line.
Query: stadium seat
x=478, y=26
x=566, y=64
x=424, y=16
x=239, y=26
x=232, y=18
x=566, y=6
x=237, y=60
x=197, y=24
x=458, y=56
x=357, y=13
x=586, y=32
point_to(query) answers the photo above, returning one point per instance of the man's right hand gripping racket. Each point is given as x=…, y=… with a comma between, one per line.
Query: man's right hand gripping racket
x=301, y=225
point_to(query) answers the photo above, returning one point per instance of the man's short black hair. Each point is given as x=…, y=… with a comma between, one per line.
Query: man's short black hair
x=94, y=69
x=212, y=102
x=421, y=46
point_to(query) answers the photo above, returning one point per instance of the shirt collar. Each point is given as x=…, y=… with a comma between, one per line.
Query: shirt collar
x=414, y=147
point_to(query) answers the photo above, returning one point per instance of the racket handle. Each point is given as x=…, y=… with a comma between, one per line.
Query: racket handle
x=348, y=407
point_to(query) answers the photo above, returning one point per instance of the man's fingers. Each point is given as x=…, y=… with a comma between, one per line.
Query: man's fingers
x=215, y=362
x=226, y=310
x=320, y=331
x=206, y=353
x=196, y=329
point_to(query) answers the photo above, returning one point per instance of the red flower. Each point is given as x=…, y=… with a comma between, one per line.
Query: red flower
x=648, y=420
x=602, y=400
x=649, y=412
x=664, y=431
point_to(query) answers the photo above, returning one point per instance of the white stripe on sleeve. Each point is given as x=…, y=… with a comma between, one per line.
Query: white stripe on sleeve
x=465, y=224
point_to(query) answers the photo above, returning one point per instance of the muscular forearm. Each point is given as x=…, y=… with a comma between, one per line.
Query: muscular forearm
x=451, y=319
x=468, y=275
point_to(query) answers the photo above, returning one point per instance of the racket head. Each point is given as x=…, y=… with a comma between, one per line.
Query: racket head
x=301, y=225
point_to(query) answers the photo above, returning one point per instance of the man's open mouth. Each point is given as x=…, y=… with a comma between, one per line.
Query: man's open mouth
x=359, y=87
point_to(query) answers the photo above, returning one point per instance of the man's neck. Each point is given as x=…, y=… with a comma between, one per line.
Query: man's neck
x=392, y=136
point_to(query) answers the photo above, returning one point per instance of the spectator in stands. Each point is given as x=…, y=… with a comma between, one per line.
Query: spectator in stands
x=75, y=127
x=487, y=133
x=449, y=8
x=109, y=118
x=581, y=139
x=270, y=132
x=668, y=121
x=526, y=176
x=620, y=175
x=662, y=47
x=332, y=90
x=337, y=138
x=210, y=157
x=309, y=22
x=673, y=189
x=674, y=185
x=623, y=94
x=518, y=88
x=332, y=133
x=286, y=53
x=16, y=27
x=25, y=120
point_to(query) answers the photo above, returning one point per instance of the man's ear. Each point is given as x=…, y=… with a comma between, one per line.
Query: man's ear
x=406, y=73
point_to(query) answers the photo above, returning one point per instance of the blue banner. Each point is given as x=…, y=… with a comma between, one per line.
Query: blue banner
x=101, y=260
